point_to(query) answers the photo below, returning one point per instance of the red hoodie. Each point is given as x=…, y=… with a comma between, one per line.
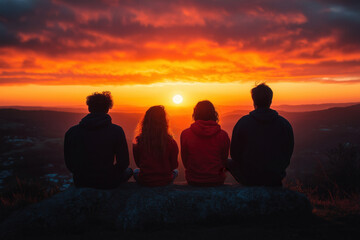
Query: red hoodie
x=154, y=171
x=204, y=150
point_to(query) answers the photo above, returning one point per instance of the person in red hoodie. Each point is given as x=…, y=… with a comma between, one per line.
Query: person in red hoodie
x=204, y=147
x=155, y=150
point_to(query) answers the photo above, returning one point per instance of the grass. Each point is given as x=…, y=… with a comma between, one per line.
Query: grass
x=22, y=193
x=329, y=203
x=334, y=189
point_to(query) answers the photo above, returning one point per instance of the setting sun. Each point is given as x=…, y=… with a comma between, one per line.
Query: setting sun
x=177, y=99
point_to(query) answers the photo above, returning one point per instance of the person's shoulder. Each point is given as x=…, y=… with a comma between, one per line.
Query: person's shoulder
x=223, y=133
x=281, y=118
x=72, y=130
x=186, y=131
x=244, y=119
x=116, y=127
x=284, y=121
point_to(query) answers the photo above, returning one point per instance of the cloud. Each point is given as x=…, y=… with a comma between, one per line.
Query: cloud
x=195, y=40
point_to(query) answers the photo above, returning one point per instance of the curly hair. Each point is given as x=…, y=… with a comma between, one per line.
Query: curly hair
x=154, y=133
x=205, y=110
x=99, y=102
x=262, y=95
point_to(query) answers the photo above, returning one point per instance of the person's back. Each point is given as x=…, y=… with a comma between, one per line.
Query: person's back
x=262, y=144
x=204, y=148
x=156, y=171
x=96, y=151
x=155, y=151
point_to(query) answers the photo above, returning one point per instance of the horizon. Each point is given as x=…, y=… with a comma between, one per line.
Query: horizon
x=183, y=110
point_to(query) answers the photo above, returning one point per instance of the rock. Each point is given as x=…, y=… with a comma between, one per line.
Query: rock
x=132, y=207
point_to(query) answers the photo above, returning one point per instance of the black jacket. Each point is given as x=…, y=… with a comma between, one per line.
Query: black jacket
x=90, y=149
x=262, y=144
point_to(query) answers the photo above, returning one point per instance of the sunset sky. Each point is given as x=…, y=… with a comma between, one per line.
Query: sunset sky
x=55, y=53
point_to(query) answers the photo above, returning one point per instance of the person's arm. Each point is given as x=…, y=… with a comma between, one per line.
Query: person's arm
x=122, y=151
x=184, y=150
x=236, y=145
x=136, y=152
x=68, y=152
x=225, y=148
x=174, y=152
x=290, y=144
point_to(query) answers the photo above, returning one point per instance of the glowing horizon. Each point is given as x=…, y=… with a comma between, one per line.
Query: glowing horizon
x=162, y=94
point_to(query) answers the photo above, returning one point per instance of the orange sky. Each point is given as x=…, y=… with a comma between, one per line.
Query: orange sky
x=55, y=53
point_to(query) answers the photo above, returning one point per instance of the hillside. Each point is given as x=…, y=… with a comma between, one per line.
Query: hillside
x=32, y=140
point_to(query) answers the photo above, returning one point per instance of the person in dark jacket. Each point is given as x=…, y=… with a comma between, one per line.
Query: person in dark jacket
x=204, y=147
x=262, y=143
x=96, y=150
x=155, y=150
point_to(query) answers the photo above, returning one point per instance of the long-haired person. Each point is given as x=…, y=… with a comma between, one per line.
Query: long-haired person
x=205, y=147
x=155, y=150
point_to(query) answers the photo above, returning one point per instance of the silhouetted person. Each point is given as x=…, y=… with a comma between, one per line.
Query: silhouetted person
x=155, y=150
x=95, y=150
x=205, y=147
x=262, y=143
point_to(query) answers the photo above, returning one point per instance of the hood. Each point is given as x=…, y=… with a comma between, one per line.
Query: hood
x=95, y=120
x=264, y=115
x=205, y=128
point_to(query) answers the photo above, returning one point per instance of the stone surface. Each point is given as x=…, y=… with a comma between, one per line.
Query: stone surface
x=132, y=207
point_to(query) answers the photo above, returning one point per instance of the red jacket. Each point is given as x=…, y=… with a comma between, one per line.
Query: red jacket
x=154, y=171
x=204, y=150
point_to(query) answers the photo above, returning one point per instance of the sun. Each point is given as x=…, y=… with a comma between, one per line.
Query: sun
x=177, y=99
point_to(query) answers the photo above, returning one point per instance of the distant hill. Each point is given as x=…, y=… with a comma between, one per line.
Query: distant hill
x=315, y=131
x=311, y=107
x=55, y=123
x=223, y=109
x=58, y=109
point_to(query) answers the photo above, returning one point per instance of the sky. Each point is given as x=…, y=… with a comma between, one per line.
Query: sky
x=55, y=53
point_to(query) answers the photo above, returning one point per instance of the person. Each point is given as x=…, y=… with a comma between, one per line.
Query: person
x=155, y=150
x=96, y=150
x=262, y=143
x=204, y=147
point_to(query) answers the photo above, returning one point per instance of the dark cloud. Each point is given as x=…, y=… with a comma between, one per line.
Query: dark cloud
x=289, y=30
x=255, y=23
x=14, y=9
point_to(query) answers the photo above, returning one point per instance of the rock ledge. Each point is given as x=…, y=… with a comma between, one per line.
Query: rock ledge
x=132, y=207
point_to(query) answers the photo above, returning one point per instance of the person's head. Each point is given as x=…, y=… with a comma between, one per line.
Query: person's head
x=205, y=110
x=262, y=96
x=99, y=102
x=154, y=131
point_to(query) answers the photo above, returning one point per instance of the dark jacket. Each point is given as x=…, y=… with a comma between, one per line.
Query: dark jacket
x=262, y=144
x=96, y=152
x=204, y=150
x=156, y=171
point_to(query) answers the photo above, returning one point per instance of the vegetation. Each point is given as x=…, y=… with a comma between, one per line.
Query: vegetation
x=342, y=172
x=335, y=187
x=24, y=192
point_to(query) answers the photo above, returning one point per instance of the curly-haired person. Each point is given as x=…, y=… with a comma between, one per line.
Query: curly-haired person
x=95, y=150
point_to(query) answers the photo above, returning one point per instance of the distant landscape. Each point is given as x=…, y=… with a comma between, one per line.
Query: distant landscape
x=31, y=141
